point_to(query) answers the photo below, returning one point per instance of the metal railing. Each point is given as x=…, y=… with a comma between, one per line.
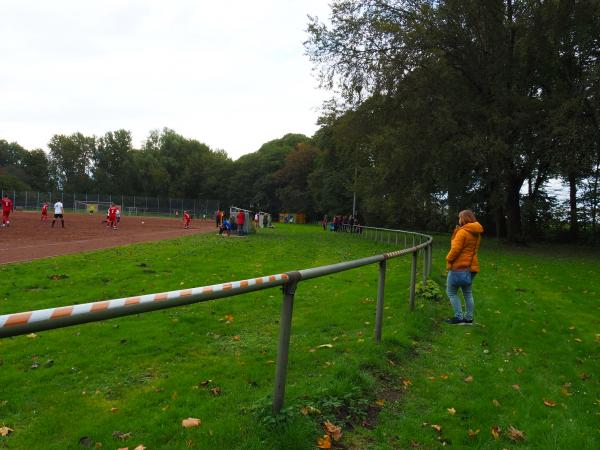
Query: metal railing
x=45, y=319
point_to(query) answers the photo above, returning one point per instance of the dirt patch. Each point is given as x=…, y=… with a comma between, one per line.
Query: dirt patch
x=29, y=238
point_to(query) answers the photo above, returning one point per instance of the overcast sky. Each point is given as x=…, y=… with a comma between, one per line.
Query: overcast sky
x=231, y=74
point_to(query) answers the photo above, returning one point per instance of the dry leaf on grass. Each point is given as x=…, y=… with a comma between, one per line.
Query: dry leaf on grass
x=516, y=387
x=496, y=403
x=114, y=410
x=324, y=442
x=190, y=422
x=444, y=376
x=309, y=410
x=120, y=435
x=496, y=431
x=472, y=434
x=514, y=434
x=437, y=427
x=216, y=391
x=140, y=447
x=236, y=338
x=451, y=411
x=32, y=336
x=333, y=430
x=549, y=403
x=5, y=431
x=406, y=383
x=205, y=382
x=380, y=402
x=325, y=346
x=468, y=379
x=229, y=318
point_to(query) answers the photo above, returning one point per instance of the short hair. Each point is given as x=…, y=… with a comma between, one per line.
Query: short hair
x=467, y=216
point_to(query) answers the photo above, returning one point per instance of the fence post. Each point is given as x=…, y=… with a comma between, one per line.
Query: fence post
x=285, y=331
x=413, y=279
x=380, y=297
x=425, y=258
x=430, y=257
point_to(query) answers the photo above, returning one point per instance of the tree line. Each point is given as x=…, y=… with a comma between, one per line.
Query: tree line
x=439, y=106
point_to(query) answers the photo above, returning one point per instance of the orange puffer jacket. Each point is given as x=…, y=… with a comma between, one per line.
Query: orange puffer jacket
x=463, y=248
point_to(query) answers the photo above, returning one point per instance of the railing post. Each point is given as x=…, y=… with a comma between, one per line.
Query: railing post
x=425, y=259
x=285, y=331
x=413, y=279
x=380, y=296
x=430, y=257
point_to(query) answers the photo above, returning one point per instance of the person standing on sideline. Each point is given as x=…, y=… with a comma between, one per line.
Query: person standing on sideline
x=240, y=219
x=218, y=217
x=7, y=207
x=44, y=211
x=58, y=213
x=462, y=266
x=186, y=219
x=324, y=222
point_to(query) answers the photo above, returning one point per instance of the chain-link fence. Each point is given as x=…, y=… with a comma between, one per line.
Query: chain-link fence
x=130, y=204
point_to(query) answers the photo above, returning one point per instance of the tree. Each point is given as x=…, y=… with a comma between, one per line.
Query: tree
x=109, y=159
x=71, y=161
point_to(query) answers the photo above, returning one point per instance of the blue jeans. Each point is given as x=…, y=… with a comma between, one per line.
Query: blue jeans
x=464, y=281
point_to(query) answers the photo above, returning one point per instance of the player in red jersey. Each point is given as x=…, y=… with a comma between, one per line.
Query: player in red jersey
x=111, y=220
x=7, y=207
x=186, y=219
x=44, y=211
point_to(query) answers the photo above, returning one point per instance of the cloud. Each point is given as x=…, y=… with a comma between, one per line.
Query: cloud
x=231, y=74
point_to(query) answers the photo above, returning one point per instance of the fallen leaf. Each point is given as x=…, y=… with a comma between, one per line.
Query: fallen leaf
x=190, y=422
x=514, y=434
x=236, y=338
x=565, y=392
x=406, y=383
x=216, y=391
x=114, y=410
x=324, y=442
x=5, y=431
x=451, y=411
x=325, y=346
x=472, y=434
x=32, y=336
x=310, y=410
x=496, y=431
x=444, y=376
x=549, y=403
x=335, y=431
x=496, y=403
x=577, y=340
x=120, y=435
x=469, y=379
x=436, y=427
x=584, y=376
x=380, y=402
x=516, y=387
x=519, y=370
x=229, y=318
x=205, y=382
x=140, y=447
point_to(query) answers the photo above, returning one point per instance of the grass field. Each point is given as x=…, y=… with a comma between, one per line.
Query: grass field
x=132, y=381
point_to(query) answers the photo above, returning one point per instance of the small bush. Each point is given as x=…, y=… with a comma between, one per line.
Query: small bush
x=431, y=291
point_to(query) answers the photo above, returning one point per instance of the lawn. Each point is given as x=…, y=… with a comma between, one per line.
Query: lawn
x=131, y=381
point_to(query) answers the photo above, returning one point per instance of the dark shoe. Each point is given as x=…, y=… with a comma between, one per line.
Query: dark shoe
x=454, y=321
x=468, y=322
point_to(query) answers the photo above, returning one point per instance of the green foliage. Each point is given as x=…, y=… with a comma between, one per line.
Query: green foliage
x=431, y=291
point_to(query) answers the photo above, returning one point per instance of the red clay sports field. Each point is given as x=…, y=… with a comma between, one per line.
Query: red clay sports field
x=29, y=238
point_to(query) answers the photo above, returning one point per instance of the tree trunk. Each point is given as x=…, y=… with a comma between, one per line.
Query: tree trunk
x=574, y=224
x=512, y=208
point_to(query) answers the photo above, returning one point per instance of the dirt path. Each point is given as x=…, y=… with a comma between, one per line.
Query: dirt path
x=29, y=238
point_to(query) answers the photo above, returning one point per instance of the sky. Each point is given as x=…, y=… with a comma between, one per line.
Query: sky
x=231, y=74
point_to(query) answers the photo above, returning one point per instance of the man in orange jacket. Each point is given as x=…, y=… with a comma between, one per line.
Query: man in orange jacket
x=462, y=265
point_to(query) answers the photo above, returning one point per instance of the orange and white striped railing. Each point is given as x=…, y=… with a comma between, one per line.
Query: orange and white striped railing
x=45, y=319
